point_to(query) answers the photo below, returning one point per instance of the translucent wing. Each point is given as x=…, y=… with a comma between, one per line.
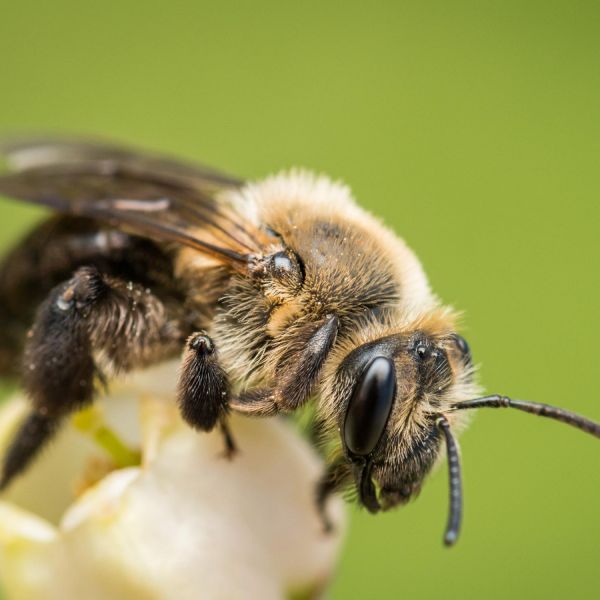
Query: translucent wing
x=149, y=195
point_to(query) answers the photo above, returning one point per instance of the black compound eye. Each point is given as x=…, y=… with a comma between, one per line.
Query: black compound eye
x=370, y=406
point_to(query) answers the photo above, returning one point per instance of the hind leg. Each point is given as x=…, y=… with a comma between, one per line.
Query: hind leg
x=50, y=254
x=89, y=318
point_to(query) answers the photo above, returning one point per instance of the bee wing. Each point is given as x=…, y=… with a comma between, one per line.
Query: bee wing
x=149, y=195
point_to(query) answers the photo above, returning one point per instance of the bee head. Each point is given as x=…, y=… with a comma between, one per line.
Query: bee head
x=395, y=389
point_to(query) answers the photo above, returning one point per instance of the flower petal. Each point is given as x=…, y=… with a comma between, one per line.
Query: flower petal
x=188, y=523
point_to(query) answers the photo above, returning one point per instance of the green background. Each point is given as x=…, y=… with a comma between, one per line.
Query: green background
x=473, y=128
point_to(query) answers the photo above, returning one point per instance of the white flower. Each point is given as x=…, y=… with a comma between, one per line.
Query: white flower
x=186, y=523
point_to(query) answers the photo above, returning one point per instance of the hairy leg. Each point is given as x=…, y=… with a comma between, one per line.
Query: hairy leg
x=50, y=254
x=335, y=477
x=296, y=377
x=203, y=389
x=89, y=319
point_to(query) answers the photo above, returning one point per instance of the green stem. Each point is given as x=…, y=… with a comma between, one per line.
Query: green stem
x=91, y=423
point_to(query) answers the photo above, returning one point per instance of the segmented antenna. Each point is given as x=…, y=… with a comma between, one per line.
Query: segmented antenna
x=534, y=408
x=455, y=480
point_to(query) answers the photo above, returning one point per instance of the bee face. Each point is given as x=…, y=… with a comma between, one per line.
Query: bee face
x=400, y=386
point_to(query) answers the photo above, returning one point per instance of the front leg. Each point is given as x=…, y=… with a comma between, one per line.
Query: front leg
x=336, y=476
x=203, y=389
x=296, y=377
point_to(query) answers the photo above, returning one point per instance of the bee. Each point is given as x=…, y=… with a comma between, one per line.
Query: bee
x=278, y=294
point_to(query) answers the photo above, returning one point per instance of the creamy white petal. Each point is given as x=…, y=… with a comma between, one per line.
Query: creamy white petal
x=188, y=523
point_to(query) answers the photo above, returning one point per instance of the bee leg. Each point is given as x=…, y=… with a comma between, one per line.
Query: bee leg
x=88, y=315
x=255, y=403
x=296, y=374
x=36, y=430
x=49, y=256
x=203, y=389
x=333, y=479
x=231, y=448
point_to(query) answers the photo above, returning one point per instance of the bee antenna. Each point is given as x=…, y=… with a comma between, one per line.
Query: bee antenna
x=534, y=408
x=455, y=480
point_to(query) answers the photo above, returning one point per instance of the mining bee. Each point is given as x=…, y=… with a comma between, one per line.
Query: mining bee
x=279, y=293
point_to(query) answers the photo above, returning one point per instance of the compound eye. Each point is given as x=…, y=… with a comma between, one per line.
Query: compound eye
x=370, y=406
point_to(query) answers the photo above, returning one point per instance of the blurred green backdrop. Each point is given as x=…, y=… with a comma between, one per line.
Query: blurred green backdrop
x=473, y=128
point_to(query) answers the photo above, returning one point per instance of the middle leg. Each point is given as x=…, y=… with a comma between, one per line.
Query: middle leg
x=203, y=389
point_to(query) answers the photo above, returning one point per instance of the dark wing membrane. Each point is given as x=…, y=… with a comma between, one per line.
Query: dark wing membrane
x=21, y=154
x=148, y=195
